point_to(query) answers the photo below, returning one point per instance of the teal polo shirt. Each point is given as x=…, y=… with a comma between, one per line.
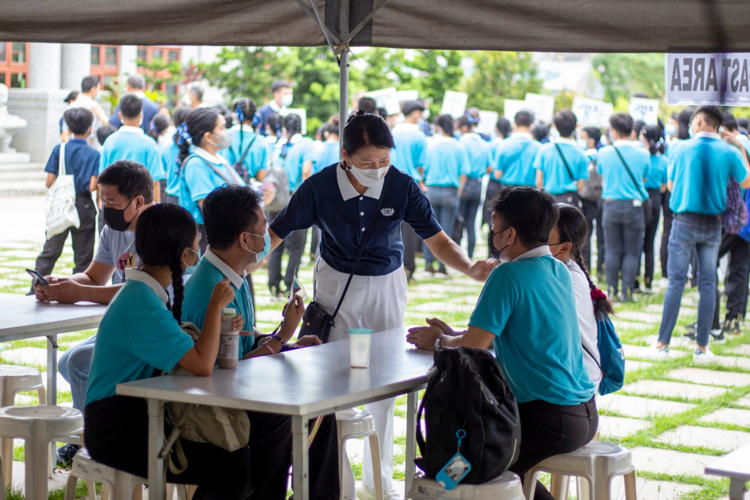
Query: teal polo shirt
x=328, y=154
x=557, y=179
x=170, y=153
x=530, y=306
x=616, y=183
x=479, y=152
x=411, y=149
x=515, y=157
x=657, y=174
x=300, y=150
x=198, y=179
x=137, y=335
x=198, y=289
x=130, y=143
x=700, y=169
x=445, y=162
x=256, y=159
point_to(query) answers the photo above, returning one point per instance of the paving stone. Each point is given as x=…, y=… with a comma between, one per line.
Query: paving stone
x=648, y=489
x=744, y=401
x=631, y=325
x=58, y=481
x=669, y=462
x=742, y=350
x=713, y=377
x=634, y=406
x=631, y=366
x=659, y=309
x=25, y=356
x=643, y=317
x=660, y=388
x=728, y=416
x=637, y=351
x=715, y=439
x=733, y=362
x=619, y=427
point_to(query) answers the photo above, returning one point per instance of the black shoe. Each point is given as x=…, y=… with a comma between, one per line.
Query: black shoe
x=691, y=328
x=66, y=453
x=612, y=292
x=717, y=337
x=732, y=327
x=691, y=336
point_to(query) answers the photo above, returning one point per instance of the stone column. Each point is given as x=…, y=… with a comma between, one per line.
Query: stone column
x=76, y=64
x=42, y=110
x=128, y=66
x=44, y=66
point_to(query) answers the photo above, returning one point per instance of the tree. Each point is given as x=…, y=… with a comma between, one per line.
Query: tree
x=432, y=72
x=501, y=75
x=380, y=68
x=626, y=74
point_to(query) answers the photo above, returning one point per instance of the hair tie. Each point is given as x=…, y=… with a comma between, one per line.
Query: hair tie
x=597, y=295
x=240, y=114
x=183, y=136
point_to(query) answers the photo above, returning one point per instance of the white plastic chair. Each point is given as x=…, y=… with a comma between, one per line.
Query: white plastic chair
x=354, y=423
x=15, y=379
x=38, y=426
x=505, y=487
x=597, y=462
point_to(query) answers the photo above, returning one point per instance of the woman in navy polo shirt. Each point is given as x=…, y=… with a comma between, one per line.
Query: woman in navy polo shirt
x=341, y=200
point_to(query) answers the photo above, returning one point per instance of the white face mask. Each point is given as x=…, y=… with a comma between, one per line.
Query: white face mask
x=369, y=177
x=286, y=100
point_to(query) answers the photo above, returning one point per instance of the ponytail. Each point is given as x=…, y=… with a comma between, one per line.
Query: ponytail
x=602, y=305
x=293, y=125
x=655, y=140
x=178, y=289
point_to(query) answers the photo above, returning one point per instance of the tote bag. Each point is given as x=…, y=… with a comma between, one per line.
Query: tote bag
x=60, y=203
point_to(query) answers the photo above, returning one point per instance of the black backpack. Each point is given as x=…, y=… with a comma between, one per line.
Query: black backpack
x=467, y=390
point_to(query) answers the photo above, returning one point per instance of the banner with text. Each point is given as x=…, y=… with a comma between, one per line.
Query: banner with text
x=720, y=79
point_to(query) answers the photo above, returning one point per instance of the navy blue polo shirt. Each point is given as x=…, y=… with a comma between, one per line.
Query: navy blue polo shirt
x=328, y=200
x=81, y=161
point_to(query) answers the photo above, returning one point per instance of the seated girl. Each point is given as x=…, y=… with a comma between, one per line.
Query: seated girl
x=139, y=334
x=528, y=311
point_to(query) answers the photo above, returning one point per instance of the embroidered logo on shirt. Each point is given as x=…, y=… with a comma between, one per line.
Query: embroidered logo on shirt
x=387, y=212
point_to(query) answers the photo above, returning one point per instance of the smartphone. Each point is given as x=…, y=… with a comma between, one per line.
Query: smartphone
x=37, y=276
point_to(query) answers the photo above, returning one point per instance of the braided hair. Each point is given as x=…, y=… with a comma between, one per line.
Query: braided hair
x=162, y=234
x=573, y=228
x=293, y=125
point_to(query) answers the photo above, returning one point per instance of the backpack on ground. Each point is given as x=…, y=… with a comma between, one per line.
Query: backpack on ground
x=611, y=355
x=275, y=189
x=223, y=427
x=467, y=390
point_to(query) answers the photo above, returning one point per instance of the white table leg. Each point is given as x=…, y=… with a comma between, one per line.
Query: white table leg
x=51, y=370
x=411, y=440
x=300, y=464
x=157, y=488
x=736, y=489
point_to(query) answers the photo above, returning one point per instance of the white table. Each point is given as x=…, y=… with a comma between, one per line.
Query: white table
x=25, y=318
x=304, y=384
x=735, y=466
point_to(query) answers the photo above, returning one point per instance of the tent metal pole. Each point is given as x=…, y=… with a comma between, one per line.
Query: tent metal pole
x=343, y=66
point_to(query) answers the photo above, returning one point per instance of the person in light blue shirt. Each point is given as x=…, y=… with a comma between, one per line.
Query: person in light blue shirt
x=515, y=157
x=330, y=151
x=624, y=166
x=480, y=163
x=656, y=185
x=698, y=172
x=248, y=153
x=131, y=143
x=527, y=312
x=561, y=168
x=139, y=335
x=446, y=166
x=202, y=170
x=170, y=154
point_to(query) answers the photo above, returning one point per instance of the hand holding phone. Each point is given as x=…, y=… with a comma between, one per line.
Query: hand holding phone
x=37, y=276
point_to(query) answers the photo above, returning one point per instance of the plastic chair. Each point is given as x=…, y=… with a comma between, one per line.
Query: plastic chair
x=505, y=487
x=354, y=423
x=38, y=426
x=15, y=379
x=597, y=462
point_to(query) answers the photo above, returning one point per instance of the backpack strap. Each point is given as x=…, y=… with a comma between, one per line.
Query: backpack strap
x=247, y=150
x=229, y=181
x=630, y=173
x=567, y=167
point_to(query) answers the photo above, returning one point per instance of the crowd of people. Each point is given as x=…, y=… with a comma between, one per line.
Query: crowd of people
x=192, y=203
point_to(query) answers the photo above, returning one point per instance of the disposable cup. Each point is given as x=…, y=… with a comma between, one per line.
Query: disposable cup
x=360, y=340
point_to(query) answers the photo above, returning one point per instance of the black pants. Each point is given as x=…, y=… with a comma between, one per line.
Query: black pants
x=116, y=434
x=468, y=206
x=83, y=240
x=648, y=240
x=593, y=212
x=271, y=456
x=295, y=245
x=548, y=429
x=665, y=230
x=736, y=281
x=412, y=242
x=571, y=198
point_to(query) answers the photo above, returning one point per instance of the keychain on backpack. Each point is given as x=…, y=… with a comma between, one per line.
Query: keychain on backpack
x=456, y=469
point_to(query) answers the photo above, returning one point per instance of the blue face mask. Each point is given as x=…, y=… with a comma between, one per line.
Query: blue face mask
x=259, y=256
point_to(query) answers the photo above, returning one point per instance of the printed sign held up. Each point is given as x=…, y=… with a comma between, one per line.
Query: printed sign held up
x=588, y=111
x=543, y=106
x=720, y=79
x=645, y=110
x=487, y=122
x=513, y=106
x=454, y=104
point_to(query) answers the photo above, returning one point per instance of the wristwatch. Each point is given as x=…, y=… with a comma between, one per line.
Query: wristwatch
x=437, y=345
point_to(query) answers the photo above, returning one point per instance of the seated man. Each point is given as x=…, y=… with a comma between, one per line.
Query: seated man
x=237, y=234
x=527, y=310
x=126, y=190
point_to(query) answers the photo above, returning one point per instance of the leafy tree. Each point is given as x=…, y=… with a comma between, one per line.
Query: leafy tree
x=626, y=74
x=501, y=75
x=564, y=100
x=382, y=68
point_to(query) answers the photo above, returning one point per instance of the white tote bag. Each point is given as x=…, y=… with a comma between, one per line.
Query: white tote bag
x=60, y=204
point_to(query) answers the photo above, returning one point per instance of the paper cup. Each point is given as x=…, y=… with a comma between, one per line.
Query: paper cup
x=360, y=340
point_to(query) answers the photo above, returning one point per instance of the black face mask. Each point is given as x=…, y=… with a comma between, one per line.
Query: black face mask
x=115, y=218
x=494, y=252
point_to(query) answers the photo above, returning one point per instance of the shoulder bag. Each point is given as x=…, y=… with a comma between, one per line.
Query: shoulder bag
x=239, y=165
x=316, y=320
x=60, y=210
x=648, y=213
x=565, y=162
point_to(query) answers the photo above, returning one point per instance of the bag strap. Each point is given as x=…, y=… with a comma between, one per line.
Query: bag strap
x=61, y=164
x=630, y=173
x=247, y=150
x=362, y=247
x=419, y=436
x=595, y=361
x=212, y=167
x=567, y=167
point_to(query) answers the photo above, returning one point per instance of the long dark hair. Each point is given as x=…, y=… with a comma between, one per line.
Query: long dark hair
x=655, y=140
x=683, y=124
x=573, y=228
x=293, y=125
x=200, y=121
x=446, y=124
x=179, y=117
x=162, y=234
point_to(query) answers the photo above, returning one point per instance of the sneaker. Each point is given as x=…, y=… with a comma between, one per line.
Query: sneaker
x=366, y=493
x=717, y=337
x=690, y=335
x=66, y=453
x=664, y=283
x=691, y=328
x=656, y=353
x=647, y=291
x=701, y=357
x=732, y=327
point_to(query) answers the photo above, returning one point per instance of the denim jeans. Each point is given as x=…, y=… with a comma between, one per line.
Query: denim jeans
x=444, y=201
x=624, y=226
x=74, y=366
x=471, y=199
x=702, y=235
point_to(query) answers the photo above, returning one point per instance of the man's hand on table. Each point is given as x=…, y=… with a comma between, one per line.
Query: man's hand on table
x=62, y=290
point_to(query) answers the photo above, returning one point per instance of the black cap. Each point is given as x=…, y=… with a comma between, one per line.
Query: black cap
x=411, y=106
